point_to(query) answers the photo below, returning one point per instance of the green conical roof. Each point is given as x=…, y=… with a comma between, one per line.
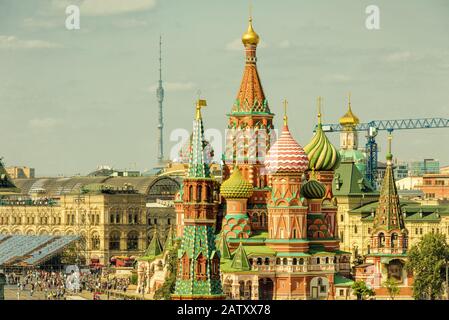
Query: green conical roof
x=6, y=185
x=236, y=186
x=223, y=247
x=388, y=214
x=198, y=159
x=240, y=260
x=321, y=152
x=169, y=241
x=155, y=247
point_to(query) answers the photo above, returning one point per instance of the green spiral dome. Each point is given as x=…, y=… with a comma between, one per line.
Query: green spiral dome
x=321, y=153
x=313, y=189
x=236, y=187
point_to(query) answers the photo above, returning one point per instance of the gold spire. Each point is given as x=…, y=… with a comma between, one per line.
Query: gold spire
x=285, y=112
x=319, y=110
x=199, y=104
x=349, y=118
x=250, y=36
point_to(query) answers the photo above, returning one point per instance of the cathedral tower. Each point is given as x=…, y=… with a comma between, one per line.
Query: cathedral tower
x=286, y=163
x=389, y=234
x=324, y=158
x=250, y=132
x=198, y=261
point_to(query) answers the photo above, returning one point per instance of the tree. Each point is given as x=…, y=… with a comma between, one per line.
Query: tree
x=392, y=286
x=426, y=260
x=361, y=290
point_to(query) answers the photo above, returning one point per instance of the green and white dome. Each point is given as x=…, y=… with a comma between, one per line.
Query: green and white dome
x=323, y=156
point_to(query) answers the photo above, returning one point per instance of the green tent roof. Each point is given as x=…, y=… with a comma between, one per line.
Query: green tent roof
x=240, y=260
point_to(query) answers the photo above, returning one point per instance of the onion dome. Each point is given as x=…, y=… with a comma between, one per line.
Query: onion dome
x=250, y=37
x=236, y=187
x=349, y=118
x=313, y=189
x=286, y=155
x=321, y=152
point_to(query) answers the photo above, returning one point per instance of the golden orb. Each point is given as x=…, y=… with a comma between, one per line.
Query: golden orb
x=250, y=36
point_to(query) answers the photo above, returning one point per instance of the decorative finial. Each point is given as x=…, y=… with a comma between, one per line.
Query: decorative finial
x=199, y=104
x=285, y=112
x=319, y=110
x=349, y=100
x=389, y=154
x=250, y=11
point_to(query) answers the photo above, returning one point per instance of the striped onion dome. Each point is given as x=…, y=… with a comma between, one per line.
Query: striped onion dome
x=313, y=189
x=321, y=153
x=236, y=187
x=286, y=155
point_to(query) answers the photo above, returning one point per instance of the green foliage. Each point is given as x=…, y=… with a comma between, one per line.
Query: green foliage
x=392, y=287
x=133, y=279
x=165, y=291
x=361, y=290
x=426, y=260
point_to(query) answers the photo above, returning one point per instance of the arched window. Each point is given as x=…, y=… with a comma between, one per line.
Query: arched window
x=259, y=261
x=318, y=261
x=295, y=261
x=284, y=261
x=267, y=261
x=199, y=195
x=201, y=263
x=114, y=240
x=294, y=233
x=132, y=241
x=95, y=241
x=190, y=194
x=301, y=260
x=278, y=261
x=381, y=240
x=394, y=240
x=185, y=261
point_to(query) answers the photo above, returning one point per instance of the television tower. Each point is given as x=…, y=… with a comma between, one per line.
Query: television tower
x=160, y=99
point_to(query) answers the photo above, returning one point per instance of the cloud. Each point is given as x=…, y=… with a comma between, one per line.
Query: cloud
x=237, y=45
x=401, y=56
x=44, y=123
x=285, y=44
x=130, y=23
x=12, y=42
x=113, y=7
x=174, y=86
x=41, y=23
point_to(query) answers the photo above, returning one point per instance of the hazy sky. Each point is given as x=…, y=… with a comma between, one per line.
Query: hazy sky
x=72, y=100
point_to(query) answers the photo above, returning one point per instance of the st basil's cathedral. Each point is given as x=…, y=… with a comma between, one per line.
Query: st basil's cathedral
x=278, y=237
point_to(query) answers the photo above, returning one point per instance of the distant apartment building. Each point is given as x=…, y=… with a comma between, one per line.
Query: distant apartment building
x=426, y=166
x=435, y=186
x=400, y=170
x=20, y=172
x=409, y=183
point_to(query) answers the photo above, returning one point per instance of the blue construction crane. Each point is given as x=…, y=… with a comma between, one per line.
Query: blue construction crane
x=371, y=128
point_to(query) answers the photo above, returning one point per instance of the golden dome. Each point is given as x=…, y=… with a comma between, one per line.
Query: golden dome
x=250, y=36
x=349, y=118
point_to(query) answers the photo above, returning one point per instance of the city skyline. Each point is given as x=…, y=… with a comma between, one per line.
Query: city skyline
x=73, y=100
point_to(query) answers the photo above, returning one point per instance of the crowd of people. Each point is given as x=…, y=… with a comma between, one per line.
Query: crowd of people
x=56, y=285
